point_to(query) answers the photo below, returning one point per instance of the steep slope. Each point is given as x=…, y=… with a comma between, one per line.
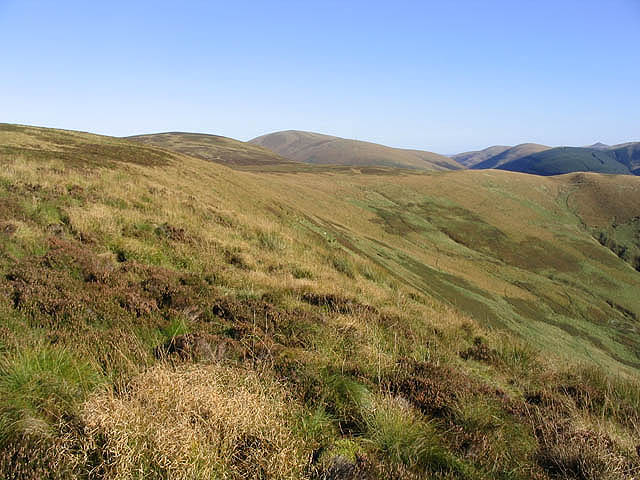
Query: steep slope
x=469, y=159
x=511, y=154
x=316, y=148
x=167, y=316
x=562, y=160
x=629, y=155
x=214, y=148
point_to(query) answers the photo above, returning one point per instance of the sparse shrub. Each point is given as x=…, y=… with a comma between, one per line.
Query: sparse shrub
x=343, y=265
x=480, y=352
x=271, y=240
x=300, y=272
x=238, y=260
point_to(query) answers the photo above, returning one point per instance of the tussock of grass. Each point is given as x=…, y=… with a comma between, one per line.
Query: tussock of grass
x=40, y=386
x=399, y=434
x=195, y=422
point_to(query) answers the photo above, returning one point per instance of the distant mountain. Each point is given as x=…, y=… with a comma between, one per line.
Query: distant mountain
x=543, y=160
x=511, y=154
x=599, y=146
x=212, y=147
x=556, y=161
x=317, y=148
x=629, y=155
x=469, y=159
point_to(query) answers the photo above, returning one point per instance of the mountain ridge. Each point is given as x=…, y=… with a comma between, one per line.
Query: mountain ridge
x=311, y=147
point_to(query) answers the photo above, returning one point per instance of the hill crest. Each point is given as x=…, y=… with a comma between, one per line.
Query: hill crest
x=317, y=148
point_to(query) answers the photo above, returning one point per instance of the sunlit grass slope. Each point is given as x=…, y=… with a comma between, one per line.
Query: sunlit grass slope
x=163, y=316
x=316, y=148
x=505, y=248
x=215, y=148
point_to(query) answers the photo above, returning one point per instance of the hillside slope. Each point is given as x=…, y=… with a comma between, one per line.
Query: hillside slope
x=164, y=316
x=469, y=159
x=509, y=155
x=629, y=155
x=316, y=148
x=560, y=160
x=227, y=151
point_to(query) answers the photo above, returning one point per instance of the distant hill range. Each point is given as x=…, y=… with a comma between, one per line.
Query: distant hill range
x=543, y=160
x=215, y=148
x=309, y=147
x=509, y=155
x=286, y=148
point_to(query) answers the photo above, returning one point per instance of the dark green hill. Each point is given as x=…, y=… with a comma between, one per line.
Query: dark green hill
x=629, y=155
x=562, y=160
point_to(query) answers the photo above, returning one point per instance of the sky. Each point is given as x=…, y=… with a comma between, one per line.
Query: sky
x=446, y=76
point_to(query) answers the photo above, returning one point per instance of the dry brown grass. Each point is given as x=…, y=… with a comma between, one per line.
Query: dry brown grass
x=194, y=422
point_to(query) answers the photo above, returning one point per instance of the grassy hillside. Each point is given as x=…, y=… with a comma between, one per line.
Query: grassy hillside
x=560, y=160
x=469, y=159
x=512, y=154
x=316, y=148
x=603, y=204
x=217, y=149
x=168, y=317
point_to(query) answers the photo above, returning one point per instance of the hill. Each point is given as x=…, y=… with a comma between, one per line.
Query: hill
x=562, y=160
x=316, y=148
x=165, y=316
x=227, y=151
x=599, y=146
x=629, y=155
x=469, y=159
x=511, y=154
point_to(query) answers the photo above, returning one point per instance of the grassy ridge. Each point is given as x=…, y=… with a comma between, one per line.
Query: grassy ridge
x=174, y=318
x=469, y=159
x=315, y=148
x=215, y=148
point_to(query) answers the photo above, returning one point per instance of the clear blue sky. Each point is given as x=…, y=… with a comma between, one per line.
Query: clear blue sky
x=444, y=76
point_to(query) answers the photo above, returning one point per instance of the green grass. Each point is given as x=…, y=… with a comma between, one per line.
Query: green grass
x=399, y=435
x=402, y=324
x=40, y=387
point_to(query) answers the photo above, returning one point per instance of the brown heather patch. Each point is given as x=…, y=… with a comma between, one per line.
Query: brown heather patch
x=566, y=451
x=256, y=319
x=480, y=352
x=338, y=303
x=433, y=389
